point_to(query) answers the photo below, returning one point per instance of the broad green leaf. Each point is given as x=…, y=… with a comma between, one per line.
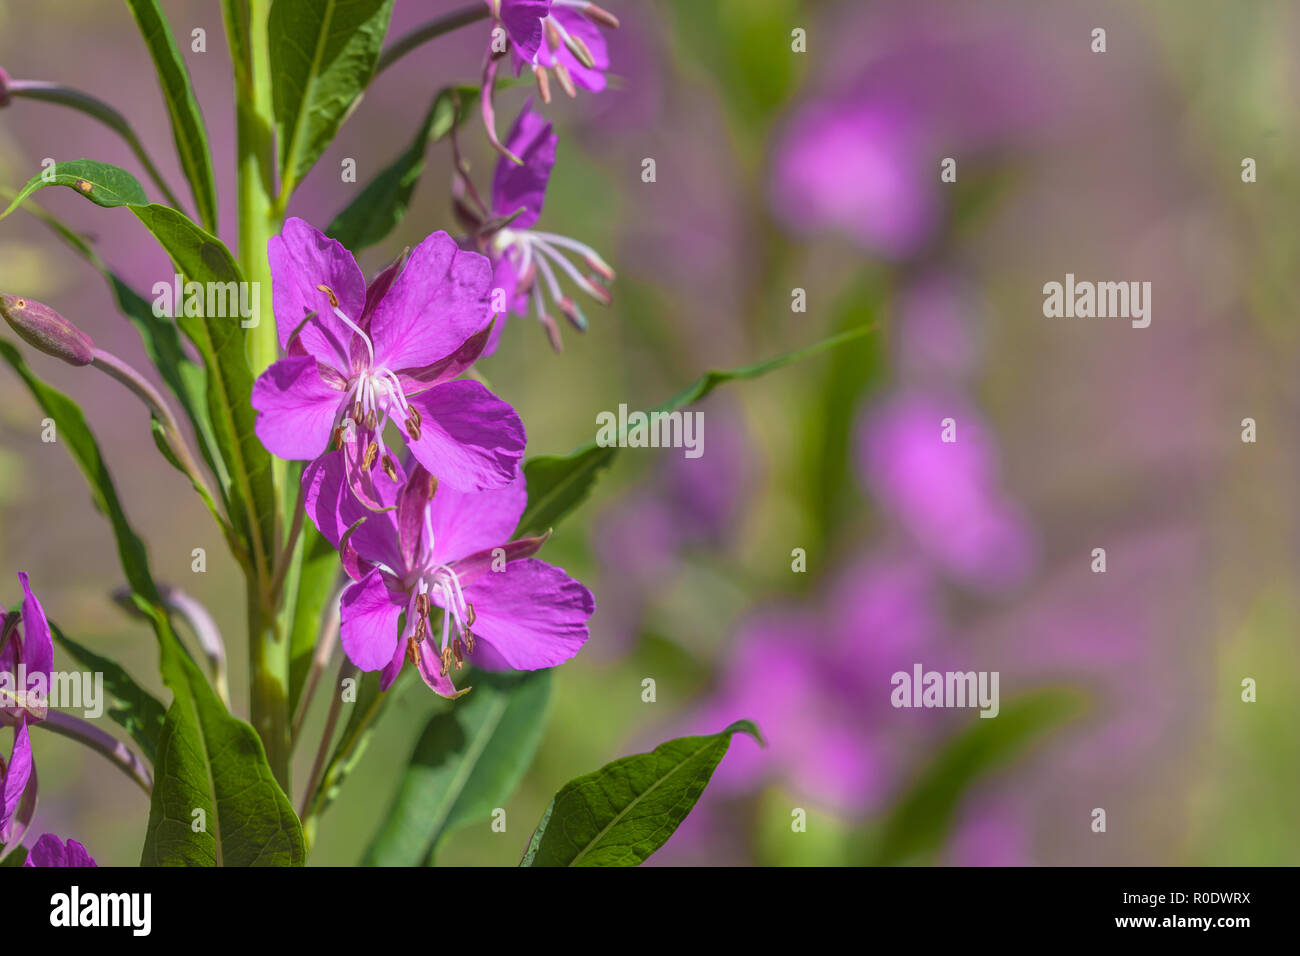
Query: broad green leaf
x=559, y=483
x=376, y=212
x=205, y=758
x=212, y=762
x=199, y=257
x=627, y=809
x=920, y=822
x=132, y=707
x=468, y=761
x=16, y=857
x=324, y=53
x=182, y=108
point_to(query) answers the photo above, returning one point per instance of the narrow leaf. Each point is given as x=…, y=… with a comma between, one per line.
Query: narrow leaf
x=206, y=759
x=627, y=809
x=920, y=821
x=559, y=483
x=324, y=53
x=468, y=761
x=188, y=131
x=382, y=205
x=200, y=257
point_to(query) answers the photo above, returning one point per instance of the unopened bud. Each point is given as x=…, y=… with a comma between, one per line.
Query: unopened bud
x=42, y=328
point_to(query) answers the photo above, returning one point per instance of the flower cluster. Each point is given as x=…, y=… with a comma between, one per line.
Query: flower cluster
x=429, y=528
x=26, y=660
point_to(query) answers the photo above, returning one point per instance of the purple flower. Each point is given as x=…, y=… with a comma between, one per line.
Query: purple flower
x=17, y=778
x=573, y=47
x=438, y=547
x=817, y=680
x=525, y=259
x=522, y=22
x=946, y=495
x=49, y=850
x=26, y=658
x=359, y=357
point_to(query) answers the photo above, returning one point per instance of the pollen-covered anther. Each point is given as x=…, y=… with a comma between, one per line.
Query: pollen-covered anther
x=356, y=412
x=599, y=15
x=412, y=428
x=566, y=81
x=390, y=467
x=580, y=50
x=412, y=650
x=470, y=641
x=446, y=660
x=334, y=299
x=543, y=83
x=470, y=617
x=372, y=453
x=338, y=438
x=459, y=653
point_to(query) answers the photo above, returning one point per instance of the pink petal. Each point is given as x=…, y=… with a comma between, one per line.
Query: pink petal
x=368, y=626
x=530, y=615
x=17, y=772
x=303, y=258
x=440, y=299
x=38, y=648
x=333, y=509
x=469, y=439
x=468, y=521
x=295, y=408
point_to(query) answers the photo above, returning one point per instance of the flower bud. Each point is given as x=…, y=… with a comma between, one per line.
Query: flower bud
x=42, y=328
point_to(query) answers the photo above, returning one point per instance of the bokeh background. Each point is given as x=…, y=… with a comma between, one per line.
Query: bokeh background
x=815, y=170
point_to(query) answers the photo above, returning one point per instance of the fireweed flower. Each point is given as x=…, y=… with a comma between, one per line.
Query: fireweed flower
x=26, y=659
x=571, y=46
x=49, y=850
x=437, y=548
x=358, y=358
x=526, y=259
x=546, y=36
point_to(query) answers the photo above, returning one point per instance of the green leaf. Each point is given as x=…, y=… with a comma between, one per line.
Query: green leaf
x=324, y=53
x=16, y=857
x=627, y=809
x=199, y=257
x=468, y=761
x=379, y=208
x=186, y=379
x=210, y=761
x=205, y=758
x=182, y=108
x=920, y=822
x=133, y=708
x=559, y=483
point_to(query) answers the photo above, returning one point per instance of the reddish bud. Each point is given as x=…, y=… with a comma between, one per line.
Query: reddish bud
x=44, y=329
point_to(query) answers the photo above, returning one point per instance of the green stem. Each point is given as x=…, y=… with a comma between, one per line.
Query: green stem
x=268, y=652
x=428, y=31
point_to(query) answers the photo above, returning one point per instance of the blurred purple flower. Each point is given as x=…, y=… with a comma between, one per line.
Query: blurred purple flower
x=816, y=679
x=571, y=45
x=49, y=850
x=862, y=156
x=946, y=495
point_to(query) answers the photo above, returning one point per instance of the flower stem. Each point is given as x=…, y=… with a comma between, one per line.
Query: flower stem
x=74, y=728
x=428, y=31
